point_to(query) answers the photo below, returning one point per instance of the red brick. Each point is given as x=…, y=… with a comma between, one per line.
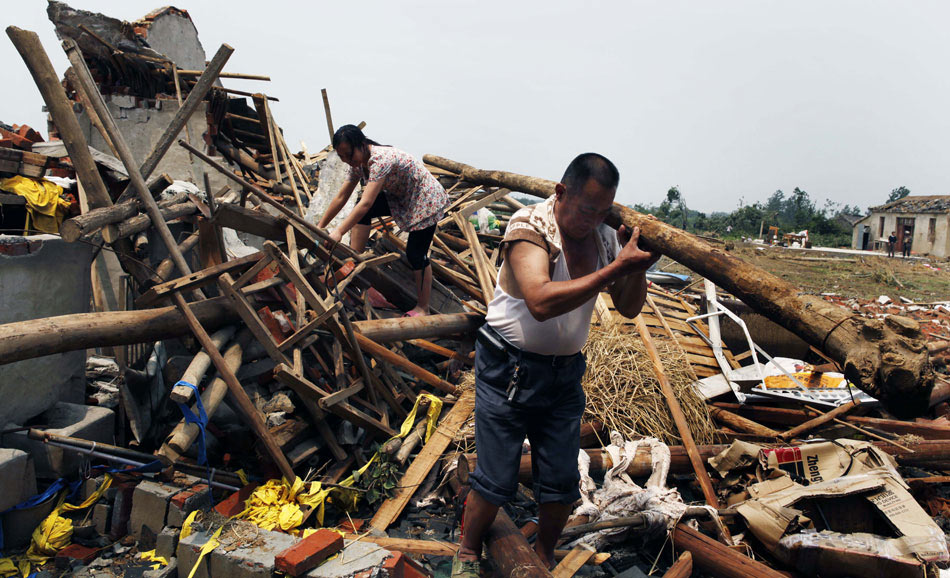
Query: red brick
x=17, y=140
x=352, y=526
x=28, y=133
x=414, y=570
x=181, y=498
x=309, y=552
x=401, y=566
x=234, y=504
x=394, y=566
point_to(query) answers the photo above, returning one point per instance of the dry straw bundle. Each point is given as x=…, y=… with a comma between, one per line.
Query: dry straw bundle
x=623, y=393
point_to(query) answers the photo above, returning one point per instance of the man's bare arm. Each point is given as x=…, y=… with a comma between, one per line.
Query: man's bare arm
x=545, y=298
x=630, y=292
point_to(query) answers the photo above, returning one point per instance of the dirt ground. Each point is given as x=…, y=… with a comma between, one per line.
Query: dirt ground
x=848, y=275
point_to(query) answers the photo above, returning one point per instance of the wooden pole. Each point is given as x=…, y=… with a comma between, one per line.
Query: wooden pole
x=682, y=426
x=819, y=421
x=326, y=109
x=184, y=434
x=38, y=337
x=60, y=109
x=125, y=154
x=510, y=551
x=742, y=424
x=166, y=267
x=716, y=559
x=886, y=358
x=198, y=367
x=383, y=354
x=140, y=223
x=482, y=265
x=87, y=223
x=682, y=568
x=70, y=76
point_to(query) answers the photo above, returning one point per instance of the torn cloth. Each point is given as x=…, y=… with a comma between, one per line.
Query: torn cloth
x=621, y=497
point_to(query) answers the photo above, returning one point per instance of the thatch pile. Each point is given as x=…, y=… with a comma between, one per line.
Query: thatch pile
x=623, y=393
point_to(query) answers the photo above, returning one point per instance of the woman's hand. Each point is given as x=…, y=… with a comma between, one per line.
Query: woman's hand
x=336, y=236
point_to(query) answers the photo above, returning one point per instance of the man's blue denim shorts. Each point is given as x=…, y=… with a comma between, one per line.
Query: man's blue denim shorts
x=547, y=409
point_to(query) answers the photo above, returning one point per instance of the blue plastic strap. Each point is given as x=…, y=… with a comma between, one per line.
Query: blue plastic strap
x=201, y=420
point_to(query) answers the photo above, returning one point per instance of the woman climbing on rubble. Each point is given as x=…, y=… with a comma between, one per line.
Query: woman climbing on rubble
x=394, y=183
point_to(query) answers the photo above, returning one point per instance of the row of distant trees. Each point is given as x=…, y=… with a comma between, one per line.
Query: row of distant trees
x=789, y=212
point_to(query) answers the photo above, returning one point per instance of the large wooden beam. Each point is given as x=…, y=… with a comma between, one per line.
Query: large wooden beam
x=887, y=358
x=926, y=453
x=49, y=335
x=717, y=559
x=60, y=109
x=38, y=337
x=510, y=551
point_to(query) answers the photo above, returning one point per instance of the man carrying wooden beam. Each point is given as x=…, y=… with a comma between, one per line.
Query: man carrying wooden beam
x=528, y=367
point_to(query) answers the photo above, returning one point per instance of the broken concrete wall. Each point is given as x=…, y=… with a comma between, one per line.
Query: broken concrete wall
x=172, y=33
x=42, y=276
x=142, y=122
x=141, y=102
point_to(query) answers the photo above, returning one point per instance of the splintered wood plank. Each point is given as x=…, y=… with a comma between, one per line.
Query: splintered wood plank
x=573, y=562
x=427, y=458
x=702, y=360
x=483, y=268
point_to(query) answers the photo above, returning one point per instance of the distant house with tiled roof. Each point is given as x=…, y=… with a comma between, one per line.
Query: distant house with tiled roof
x=924, y=220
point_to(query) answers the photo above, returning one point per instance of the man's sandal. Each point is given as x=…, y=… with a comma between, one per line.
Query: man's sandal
x=464, y=568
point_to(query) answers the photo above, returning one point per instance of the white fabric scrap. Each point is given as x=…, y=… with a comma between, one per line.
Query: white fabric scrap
x=621, y=497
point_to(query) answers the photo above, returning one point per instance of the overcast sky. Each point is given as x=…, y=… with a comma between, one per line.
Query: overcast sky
x=728, y=100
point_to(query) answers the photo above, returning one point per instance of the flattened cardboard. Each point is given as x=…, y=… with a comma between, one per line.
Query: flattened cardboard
x=827, y=470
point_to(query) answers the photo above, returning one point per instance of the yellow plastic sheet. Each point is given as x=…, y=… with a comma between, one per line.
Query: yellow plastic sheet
x=186, y=526
x=210, y=545
x=151, y=557
x=44, y=205
x=7, y=567
x=279, y=504
x=52, y=535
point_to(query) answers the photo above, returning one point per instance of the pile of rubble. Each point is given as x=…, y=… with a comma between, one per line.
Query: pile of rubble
x=258, y=404
x=934, y=320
